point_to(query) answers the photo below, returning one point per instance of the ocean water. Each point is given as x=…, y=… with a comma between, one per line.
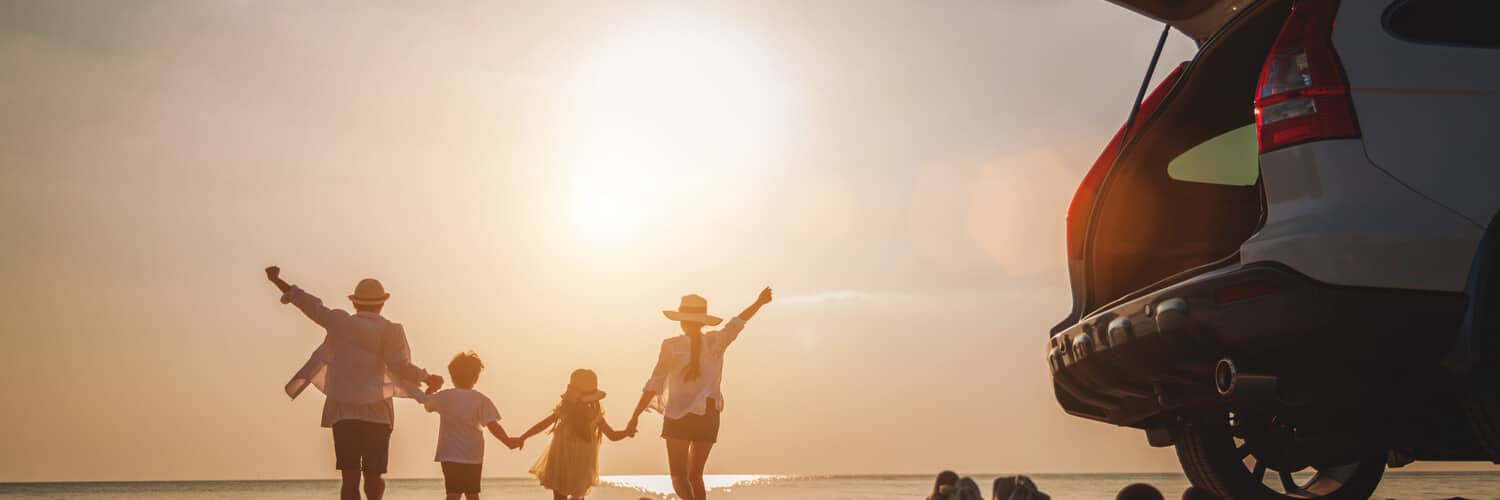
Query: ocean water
x=1401, y=485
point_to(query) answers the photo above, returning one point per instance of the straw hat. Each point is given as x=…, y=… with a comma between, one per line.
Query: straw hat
x=694, y=309
x=369, y=292
x=583, y=387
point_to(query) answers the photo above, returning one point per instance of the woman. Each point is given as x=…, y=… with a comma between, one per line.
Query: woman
x=687, y=375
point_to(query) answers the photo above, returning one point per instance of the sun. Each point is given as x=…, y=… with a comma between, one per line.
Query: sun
x=603, y=215
x=660, y=112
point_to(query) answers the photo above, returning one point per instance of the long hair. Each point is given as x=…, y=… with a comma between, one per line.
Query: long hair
x=579, y=418
x=944, y=478
x=693, y=367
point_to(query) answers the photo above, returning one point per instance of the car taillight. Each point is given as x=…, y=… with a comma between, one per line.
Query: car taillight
x=1243, y=291
x=1083, y=198
x=1303, y=95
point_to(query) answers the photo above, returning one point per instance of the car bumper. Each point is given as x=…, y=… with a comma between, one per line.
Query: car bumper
x=1142, y=360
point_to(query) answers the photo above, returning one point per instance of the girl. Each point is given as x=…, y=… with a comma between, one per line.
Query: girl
x=688, y=373
x=570, y=466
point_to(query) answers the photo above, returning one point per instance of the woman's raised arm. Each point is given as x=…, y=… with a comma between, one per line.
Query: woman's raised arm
x=763, y=299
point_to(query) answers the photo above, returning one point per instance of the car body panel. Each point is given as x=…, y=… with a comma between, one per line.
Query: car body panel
x=1427, y=111
x=1334, y=216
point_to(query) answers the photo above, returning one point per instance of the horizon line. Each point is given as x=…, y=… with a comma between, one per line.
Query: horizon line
x=776, y=476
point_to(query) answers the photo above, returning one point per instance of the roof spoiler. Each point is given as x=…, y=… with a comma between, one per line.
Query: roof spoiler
x=1198, y=19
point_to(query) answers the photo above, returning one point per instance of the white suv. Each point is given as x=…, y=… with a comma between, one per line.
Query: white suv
x=1284, y=262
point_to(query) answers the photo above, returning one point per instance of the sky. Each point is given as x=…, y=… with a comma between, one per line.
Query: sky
x=535, y=182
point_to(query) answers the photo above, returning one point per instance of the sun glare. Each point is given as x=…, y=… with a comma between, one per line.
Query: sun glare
x=604, y=213
x=661, y=484
x=658, y=113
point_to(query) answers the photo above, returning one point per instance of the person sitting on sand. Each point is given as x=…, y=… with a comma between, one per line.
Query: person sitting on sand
x=1139, y=491
x=1017, y=488
x=462, y=411
x=362, y=363
x=1196, y=493
x=951, y=487
x=570, y=466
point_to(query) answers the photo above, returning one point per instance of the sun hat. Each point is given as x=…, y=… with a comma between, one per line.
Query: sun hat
x=369, y=292
x=693, y=308
x=583, y=387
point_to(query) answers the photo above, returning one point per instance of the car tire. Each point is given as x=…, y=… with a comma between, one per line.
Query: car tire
x=1212, y=460
x=1482, y=407
x=1482, y=402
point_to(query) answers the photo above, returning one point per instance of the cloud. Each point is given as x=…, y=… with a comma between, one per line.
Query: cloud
x=836, y=296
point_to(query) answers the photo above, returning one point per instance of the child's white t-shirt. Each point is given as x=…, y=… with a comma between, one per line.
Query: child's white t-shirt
x=464, y=412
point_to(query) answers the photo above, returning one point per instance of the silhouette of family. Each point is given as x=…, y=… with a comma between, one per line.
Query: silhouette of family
x=365, y=361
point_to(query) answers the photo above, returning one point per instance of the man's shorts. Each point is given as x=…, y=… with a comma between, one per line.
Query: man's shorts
x=361, y=445
x=461, y=478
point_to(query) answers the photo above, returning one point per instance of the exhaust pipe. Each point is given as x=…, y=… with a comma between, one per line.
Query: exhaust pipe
x=1243, y=386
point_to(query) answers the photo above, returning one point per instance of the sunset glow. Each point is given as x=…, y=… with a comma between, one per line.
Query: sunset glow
x=536, y=182
x=661, y=111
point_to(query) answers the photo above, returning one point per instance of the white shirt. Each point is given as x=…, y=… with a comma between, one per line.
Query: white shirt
x=363, y=362
x=464, y=412
x=691, y=396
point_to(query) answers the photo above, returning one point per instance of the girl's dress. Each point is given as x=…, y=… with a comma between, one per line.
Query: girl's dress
x=571, y=464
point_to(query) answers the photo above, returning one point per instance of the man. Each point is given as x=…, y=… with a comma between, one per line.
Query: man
x=363, y=362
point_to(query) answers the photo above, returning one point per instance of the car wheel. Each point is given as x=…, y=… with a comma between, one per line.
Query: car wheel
x=1482, y=408
x=1242, y=457
x=1482, y=402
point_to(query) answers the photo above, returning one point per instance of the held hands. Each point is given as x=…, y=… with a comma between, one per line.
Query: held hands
x=514, y=443
x=434, y=382
x=619, y=434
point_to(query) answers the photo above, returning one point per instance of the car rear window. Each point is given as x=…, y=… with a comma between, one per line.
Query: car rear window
x=1231, y=159
x=1470, y=23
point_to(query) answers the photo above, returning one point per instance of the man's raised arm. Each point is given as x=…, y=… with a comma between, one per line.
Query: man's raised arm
x=310, y=306
x=273, y=273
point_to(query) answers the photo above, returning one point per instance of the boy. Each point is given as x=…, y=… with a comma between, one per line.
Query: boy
x=460, y=446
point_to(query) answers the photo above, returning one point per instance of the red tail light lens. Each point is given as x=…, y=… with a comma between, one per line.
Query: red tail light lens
x=1303, y=95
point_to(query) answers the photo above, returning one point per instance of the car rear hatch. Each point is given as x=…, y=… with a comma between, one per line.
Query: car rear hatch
x=1198, y=19
x=1184, y=191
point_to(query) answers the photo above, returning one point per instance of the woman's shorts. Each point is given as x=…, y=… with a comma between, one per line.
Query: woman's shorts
x=694, y=427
